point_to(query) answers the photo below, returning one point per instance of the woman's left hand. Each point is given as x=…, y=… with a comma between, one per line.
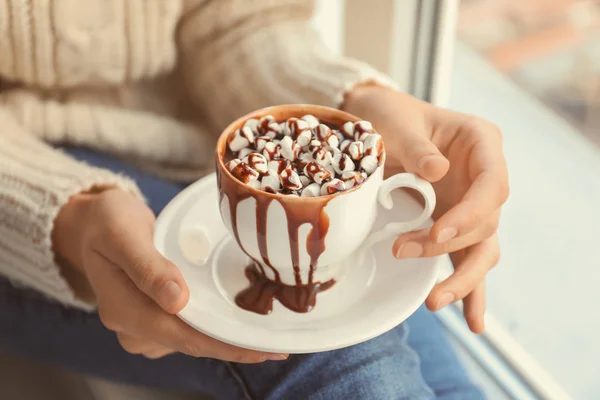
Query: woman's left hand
x=462, y=156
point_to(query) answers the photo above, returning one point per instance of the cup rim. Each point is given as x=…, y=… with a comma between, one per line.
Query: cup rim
x=303, y=109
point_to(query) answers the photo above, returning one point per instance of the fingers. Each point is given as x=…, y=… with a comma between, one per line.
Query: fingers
x=419, y=243
x=406, y=124
x=122, y=308
x=158, y=278
x=489, y=188
x=466, y=282
x=139, y=345
x=474, y=308
x=419, y=155
x=134, y=253
x=482, y=199
x=478, y=260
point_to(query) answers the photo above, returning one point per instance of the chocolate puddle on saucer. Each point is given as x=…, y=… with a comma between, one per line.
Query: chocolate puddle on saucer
x=259, y=296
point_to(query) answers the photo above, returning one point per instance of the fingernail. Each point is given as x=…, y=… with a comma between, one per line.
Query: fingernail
x=275, y=356
x=446, y=234
x=444, y=300
x=410, y=250
x=169, y=294
x=427, y=159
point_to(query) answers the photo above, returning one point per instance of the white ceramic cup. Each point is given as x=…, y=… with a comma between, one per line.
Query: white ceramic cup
x=351, y=213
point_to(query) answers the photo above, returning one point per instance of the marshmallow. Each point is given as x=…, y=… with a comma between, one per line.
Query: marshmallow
x=356, y=150
x=264, y=123
x=289, y=149
x=240, y=139
x=322, y=156
x=369, y=164
x=261, y=141
x=270, y=183
x=231, y=164
x=293, y=126
x=258, y=162
x=373, y=145
x=272, y=130
x=276, y=166
x=271, y=151
x=289, y=179
x=314, y=144
x=332, y=141
x=333, y=186
x=348, y=130
x=338, y=135
x=352, y=178
x=303, y=157
x=360, y=136
x=243, y=172
x=305, y=180
x=303, y=138
x=243, y=153
x=344, y=145
x=322, y=132
x=312, y=190
x=316, y=172
x=342, y=163
x=330, y=169
x=267, y=126
x=255, y=183
x=362, y=129
x=252, y=124
x=311, y=120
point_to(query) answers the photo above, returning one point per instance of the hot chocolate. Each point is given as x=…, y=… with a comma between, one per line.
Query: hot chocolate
x=302, y=158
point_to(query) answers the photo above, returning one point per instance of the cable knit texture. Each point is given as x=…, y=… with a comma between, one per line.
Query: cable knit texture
x=150, y=81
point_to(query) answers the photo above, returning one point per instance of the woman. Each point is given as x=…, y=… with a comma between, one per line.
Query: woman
x=153, y=82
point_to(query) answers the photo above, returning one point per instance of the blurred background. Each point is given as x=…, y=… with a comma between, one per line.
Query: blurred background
x=549, y=48
x=533, y=68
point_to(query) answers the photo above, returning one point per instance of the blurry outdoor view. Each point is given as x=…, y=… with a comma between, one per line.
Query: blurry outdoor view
x=551, y=48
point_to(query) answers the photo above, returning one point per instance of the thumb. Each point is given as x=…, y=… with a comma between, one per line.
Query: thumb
x=152, y=273
x=160, y=279
x=418, y=155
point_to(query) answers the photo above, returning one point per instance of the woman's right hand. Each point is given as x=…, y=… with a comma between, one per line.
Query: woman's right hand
x=108, y=236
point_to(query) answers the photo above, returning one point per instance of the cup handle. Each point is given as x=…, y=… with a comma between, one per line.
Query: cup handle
x=384, y=196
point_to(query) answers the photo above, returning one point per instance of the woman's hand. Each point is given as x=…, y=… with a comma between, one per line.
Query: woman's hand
x=462, y=156
x=108, y=237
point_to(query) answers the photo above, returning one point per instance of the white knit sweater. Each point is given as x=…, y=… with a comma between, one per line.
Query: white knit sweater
x=152, y=81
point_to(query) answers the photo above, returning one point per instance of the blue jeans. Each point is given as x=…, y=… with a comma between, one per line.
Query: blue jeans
x=400, y=364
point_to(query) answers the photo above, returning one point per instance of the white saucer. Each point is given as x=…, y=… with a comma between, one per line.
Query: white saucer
x=370, y=300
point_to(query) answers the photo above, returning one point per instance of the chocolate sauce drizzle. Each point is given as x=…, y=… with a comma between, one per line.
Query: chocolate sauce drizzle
x=259, y=296
x=262, y=206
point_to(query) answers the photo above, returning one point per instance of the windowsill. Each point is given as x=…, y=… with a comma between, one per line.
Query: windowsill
x=544, y=291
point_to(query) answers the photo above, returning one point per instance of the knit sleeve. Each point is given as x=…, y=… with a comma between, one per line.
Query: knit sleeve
x=239, y=55
x=35, y=182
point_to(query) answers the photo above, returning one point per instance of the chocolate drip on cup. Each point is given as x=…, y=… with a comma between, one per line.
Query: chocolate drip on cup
x=258, y=297
x=265, y=283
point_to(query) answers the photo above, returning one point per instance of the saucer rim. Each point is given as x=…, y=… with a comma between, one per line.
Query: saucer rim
x=163, y=223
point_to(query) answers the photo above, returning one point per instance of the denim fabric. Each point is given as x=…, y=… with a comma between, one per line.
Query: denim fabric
x=400, y=364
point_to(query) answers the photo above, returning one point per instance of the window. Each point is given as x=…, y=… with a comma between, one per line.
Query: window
x=533, y=68
x=549, y=48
